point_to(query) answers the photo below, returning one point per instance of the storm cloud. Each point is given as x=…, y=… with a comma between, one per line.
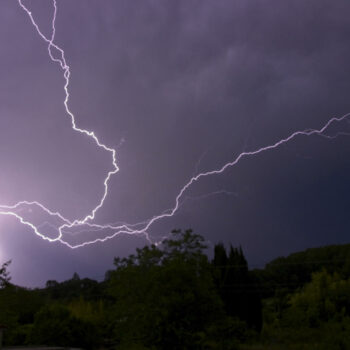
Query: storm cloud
x=177, y=87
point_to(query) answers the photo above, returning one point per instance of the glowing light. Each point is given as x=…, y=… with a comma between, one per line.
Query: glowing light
x=86, y=224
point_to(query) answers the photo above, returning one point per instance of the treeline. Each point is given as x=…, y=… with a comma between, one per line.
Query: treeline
x=172, y=296
x=306, y=299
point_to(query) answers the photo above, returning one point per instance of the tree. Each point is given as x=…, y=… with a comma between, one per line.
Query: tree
x=325, y=298
x=4, y=274
x=74, y=288
x=51, y=284
x=295, y=270
x=165, y=296
x=75, y=277
x=220, y=265
x=317, y=314
x=237, y=287
x=55, y=325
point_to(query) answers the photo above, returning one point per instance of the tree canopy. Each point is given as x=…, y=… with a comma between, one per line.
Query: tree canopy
x=172, y=296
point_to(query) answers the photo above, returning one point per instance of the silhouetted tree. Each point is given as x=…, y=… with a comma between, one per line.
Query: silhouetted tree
x=75, y=277
x=237, y=286
x=4, y=274
x=220, y=265
x=51, y=284
x=165, y=296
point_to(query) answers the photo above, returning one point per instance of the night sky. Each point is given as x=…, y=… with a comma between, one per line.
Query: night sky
x=177, y=88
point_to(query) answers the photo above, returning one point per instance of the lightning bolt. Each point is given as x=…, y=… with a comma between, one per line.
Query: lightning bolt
x=86, y=224
x=66, y=74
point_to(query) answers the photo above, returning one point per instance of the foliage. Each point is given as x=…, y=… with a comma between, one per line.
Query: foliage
x=165, y=296
x=171, y=296
x=324, y=299
x=238, y=288
x=287, y=274
x=74, y=288
x=55, y=325
x=318, y=313
x=18, y=307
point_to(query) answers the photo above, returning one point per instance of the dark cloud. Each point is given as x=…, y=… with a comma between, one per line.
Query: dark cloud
x=173, y=83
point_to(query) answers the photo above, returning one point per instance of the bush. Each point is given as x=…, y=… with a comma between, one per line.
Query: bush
x=55, y=325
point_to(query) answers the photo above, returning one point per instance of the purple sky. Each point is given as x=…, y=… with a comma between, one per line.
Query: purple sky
x=176, y=87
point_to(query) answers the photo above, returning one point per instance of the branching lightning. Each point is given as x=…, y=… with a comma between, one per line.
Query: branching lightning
x=85, y=224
